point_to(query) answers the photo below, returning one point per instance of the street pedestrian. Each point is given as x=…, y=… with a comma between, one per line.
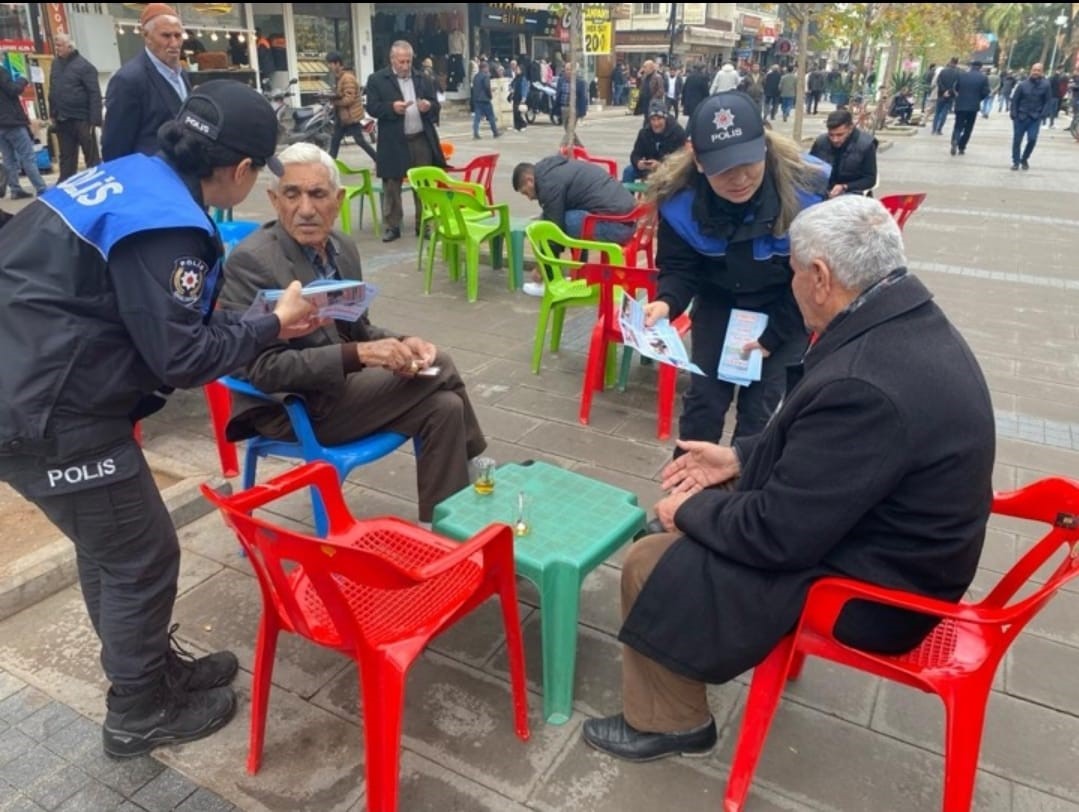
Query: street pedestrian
x=482, y=108
x=971, y=90
x=1031, y=101
x=947, y=79
x=348, y=107
x=16, y=146
x=74, y=106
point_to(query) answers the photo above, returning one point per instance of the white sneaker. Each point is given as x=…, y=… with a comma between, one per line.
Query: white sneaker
x=532, y=288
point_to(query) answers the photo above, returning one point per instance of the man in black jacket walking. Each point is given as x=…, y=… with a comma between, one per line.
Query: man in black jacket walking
x=972, y=88
x=1031, y=101
x=74, y=106
x=947, y=80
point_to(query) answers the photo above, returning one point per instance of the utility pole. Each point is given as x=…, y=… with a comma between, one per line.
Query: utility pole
x=672, y=30
x=575, y=31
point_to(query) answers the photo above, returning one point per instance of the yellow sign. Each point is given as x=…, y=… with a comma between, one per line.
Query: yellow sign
x=598, y=37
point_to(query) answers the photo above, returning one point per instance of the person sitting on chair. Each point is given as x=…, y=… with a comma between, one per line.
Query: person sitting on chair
x=356, y=379
x=851, y=153
x=902, y=106
x=887, y=411
x=657, y=139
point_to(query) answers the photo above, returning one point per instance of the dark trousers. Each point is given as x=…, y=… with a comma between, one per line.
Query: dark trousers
x=1020, y=127
x=963, y=127
x=707, y=399
x=771, y=105
x=357, y=133
x=436, y=411
x=128, y=560
x=72, y=136
x=812, y=100
x=419, y=154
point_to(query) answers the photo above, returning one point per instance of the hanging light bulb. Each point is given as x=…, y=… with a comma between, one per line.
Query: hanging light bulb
x=185, y=36
x=240, y=38
x=213, y=37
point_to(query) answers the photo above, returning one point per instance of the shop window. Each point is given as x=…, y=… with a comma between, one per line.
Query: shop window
x=645, y=9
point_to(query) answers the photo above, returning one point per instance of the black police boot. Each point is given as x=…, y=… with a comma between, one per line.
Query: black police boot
x=163, y=714
x=198, y=673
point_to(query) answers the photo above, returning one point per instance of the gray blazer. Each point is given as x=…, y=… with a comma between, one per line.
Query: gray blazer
x=312, y=366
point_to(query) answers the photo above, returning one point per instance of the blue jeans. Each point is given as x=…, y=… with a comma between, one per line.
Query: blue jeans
x=630, y=173
x=604, y=232
x=1052, y=113
x=787, y=103
x=944, y=106
x=481, y=110
x=1020, y=127
x=987, y=106
x=17, y=150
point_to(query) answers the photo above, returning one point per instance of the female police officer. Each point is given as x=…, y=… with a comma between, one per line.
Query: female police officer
x=107, y=284
x=725, y=205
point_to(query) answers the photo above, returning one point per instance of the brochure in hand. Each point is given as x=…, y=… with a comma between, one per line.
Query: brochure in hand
x=346, y=300
x=736, y=366
x=660, y=342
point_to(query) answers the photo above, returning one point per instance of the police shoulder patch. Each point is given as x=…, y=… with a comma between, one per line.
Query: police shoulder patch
x=188, y=279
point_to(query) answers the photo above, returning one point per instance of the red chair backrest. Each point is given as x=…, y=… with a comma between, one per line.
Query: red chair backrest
x=581, y=154
x=902, y=206
x=643, y=214
x=219, y=402
x=480, y=169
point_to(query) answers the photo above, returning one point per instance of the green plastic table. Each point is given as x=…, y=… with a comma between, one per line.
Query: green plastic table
x=576, y=523
x=636, y=186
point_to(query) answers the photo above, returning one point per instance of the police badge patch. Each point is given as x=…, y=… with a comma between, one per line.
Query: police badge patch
x=188, y=279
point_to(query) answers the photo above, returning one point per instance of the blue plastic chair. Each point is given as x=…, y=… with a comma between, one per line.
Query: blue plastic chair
x=235, y=231
x=344, y=458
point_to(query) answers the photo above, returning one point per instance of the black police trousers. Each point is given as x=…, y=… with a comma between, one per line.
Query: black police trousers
x=126, y=549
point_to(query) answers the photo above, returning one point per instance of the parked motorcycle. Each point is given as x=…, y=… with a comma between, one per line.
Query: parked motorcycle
x=313, y=124
x=543, y=98
x=280, y=101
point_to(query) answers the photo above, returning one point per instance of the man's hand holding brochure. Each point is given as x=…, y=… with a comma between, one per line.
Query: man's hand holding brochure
x=662, y=343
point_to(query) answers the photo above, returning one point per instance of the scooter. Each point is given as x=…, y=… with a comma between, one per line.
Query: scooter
x=313, y=124
x=279, y=100
x=542, y=98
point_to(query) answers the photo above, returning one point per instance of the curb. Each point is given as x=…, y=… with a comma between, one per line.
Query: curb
x=51, y=568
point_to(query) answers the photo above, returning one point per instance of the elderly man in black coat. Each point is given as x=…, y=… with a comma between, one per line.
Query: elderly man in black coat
x=148, y=90
x=877, y=467
x=405, y=102
x=74, y=106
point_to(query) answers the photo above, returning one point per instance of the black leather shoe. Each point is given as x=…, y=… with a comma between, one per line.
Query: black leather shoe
x=20, y=194
x=955, y=149
x=616, y=737
x=1025, y=165
x=391, y=234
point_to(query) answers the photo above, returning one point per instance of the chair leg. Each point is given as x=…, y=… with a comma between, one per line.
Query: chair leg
x=764, y=693
x=219, y=402
x=472, y=270
x=559, y=607
x=556, y=328
x=668, y=379
x=507, y=596
x=429, y=275
x=346, y=214
x=265, y=652
x=624, y=369
x=541, y=334
x=383, y=690
x=964, y=708
x=593, y=370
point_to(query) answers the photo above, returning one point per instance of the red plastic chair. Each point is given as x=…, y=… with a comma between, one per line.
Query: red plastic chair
x=902, y=206
x=643, y=239
x=377, y=591
x=481, y=170
x=581, y=154
x=956, y=661
x=606, y=332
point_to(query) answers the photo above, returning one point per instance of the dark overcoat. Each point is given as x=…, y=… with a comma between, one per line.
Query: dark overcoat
x=382, y=90
x=138, y=101
x=876, y=466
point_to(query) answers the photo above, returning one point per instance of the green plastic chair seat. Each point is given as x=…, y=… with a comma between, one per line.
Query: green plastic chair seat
x=560, y=291
x=576, y=523
x=460, y=220
x=420, y=177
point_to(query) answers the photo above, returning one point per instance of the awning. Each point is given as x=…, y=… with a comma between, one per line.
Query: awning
x=699, y=35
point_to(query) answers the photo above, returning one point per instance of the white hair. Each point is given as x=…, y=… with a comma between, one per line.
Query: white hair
x=63, y=38
x=152, y=22
x=309, y=154
x=854, y=236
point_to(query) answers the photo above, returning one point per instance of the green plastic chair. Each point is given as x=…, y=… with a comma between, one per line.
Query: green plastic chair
x=560, y=292
x=364, y=190
x=462, y=221
x=435, y=177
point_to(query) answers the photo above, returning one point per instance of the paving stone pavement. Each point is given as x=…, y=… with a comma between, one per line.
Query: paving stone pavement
x=998, y=250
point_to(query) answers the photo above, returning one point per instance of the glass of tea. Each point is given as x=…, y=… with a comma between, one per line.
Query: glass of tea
x=484, y=482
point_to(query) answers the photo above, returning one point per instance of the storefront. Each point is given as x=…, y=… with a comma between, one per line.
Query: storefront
x=437, y=32
x=507, y=30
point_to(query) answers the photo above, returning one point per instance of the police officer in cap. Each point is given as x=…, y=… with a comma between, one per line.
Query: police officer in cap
x=107, y=306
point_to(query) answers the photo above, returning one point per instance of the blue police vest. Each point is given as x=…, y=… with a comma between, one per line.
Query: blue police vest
x=678, y=211
x=106, y=203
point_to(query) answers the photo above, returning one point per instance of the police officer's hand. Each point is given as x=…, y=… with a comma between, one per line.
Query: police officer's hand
x=654, y=311
x=298, y=316
x=390, y=353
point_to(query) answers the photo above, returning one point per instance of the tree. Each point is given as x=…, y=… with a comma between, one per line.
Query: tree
x=1008, y=21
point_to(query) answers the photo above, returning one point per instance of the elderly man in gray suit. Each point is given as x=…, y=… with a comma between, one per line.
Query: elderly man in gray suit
x=355, y=378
